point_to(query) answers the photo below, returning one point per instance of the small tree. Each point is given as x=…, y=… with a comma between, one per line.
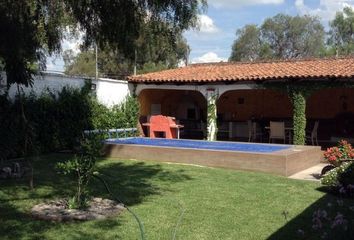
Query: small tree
x=82, y=167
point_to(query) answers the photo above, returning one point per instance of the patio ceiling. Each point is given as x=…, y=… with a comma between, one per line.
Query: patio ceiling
x=311, y=69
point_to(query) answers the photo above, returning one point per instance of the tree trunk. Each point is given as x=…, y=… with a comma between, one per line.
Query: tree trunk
x=26, y=137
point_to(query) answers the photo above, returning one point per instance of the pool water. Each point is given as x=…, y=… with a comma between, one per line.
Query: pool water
x=201, y=144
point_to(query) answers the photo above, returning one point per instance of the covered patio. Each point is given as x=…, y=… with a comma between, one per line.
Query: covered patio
x=311, y=100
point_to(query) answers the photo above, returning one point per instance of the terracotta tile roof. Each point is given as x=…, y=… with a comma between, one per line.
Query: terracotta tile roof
x=255, y=71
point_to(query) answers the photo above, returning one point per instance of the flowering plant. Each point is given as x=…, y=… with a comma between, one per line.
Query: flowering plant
x=335, y=155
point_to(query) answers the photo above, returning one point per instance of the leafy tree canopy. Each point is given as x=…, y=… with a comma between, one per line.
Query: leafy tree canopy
x=110, y=64
x=152, y=54
x=280, y=37
x=341, y=34
x=28, y=30
x=31, y=29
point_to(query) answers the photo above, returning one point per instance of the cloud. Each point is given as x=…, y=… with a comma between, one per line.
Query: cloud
x=241, y=3
x=326, y=9
x=208, y=57
x=206, y=24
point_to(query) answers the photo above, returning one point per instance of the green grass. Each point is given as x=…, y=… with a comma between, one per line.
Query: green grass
x=216, y=203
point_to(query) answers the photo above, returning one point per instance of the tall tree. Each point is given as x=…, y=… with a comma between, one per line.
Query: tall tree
x=280, y=37
x=120, y=24
x=154, y=47
x=30, y=29
x=247, y=45
x=341, y=34
x=151, y=55
x=110, y=63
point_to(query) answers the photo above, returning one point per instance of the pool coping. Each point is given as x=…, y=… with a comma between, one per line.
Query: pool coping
x=208, y=149
x=283, y=162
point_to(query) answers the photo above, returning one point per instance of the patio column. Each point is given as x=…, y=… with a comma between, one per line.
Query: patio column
x=298, y=99
x=212, y=129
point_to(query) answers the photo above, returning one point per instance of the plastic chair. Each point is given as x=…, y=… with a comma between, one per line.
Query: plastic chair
x=313, y=134
x=252, y=131
x=276, y=131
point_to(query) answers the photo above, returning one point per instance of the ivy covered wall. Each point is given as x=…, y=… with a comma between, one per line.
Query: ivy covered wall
x=299, y=92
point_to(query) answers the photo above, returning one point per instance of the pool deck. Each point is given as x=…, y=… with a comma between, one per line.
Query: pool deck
x=283, y=162
x=311, y=174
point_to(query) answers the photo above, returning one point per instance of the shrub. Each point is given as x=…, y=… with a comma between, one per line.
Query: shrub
x=82, y=167
x=336, y=155
x=124, y=115
x=130, y=110
x=73, y=115
x=332, y=178
x=41, y=112
x=102, y=117
x=57, y=121
x=9, y=125
x=341, y=179
x=346, y=177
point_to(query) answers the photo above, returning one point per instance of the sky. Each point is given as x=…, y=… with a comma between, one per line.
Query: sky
x=212, y=41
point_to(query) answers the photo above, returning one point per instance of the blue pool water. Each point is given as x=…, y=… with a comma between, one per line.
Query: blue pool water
x=201, y=144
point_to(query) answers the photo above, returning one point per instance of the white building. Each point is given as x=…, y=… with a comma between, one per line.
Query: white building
x=108, y=91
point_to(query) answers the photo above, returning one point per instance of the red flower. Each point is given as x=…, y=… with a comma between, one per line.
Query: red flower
x=335, y=155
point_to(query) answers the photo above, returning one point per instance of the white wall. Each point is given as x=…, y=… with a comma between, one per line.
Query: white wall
x=108, y=91
x=48, y=81
x=220, y=88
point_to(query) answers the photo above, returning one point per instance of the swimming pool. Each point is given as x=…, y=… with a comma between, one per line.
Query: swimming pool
x=270, y=158
x=200, y=144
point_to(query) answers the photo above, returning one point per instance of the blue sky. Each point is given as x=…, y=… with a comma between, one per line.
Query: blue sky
x=218, y=25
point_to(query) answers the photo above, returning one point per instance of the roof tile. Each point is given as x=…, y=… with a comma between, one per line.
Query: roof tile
x=236, y=71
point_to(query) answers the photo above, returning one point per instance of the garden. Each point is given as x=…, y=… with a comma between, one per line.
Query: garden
x=153, y=201
x=178, y=202
x=174, y=201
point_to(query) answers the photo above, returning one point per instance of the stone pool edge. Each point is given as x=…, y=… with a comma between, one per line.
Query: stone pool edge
x=284, y=162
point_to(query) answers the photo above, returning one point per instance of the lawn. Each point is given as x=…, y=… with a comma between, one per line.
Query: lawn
x=210, y=203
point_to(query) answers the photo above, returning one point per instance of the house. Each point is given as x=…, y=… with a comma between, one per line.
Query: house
x=225, y=96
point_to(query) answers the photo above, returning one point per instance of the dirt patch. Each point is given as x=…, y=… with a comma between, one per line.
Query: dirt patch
x=58, y=211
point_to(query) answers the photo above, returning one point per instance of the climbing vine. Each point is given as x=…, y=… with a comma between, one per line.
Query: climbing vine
x=299, y=117
x=212, y=116
x=298, y=93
